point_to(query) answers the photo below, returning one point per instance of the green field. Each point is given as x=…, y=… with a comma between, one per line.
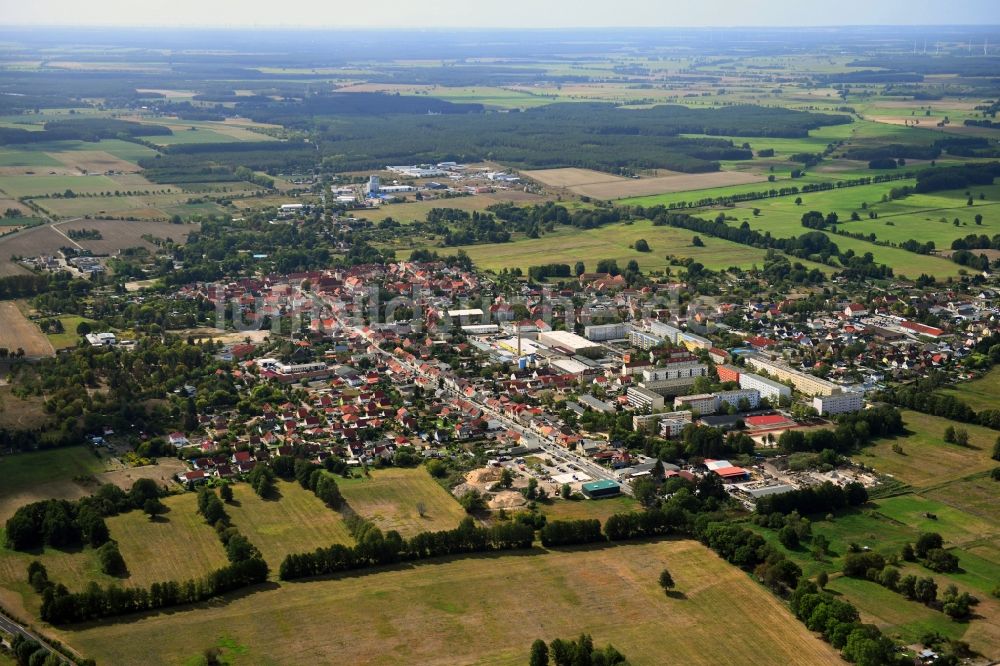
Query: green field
x=27, y=477
x=927, y=460
x=69, y=337
x=389, y=498
x=557, y=509
x=983, y=393
x=484, y=610
x=23, y=186
x=177, y=546
x=190, y=136
x=298, y=522
x=568, y=245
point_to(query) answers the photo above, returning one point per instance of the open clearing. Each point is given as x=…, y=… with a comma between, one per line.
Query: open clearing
x=389, y=498
x=38, y=475
x=177, y=546
x=485, y=610
x=600, y=185
x=927, y=459
x=16, y=332
x=297, y=523
x=121, y=234
x=17, y=412
x=983, y=393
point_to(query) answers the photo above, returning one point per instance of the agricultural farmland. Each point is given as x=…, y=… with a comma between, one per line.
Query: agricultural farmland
x=598, y=185
x=486, y=610
x=568, y=245
x=16, y=332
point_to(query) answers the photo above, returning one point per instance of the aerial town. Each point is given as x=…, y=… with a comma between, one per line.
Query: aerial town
x=539, y=344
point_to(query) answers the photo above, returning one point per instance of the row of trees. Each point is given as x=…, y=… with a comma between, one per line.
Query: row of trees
x=374, y=548
x=580, y=652
x=571, y=532
x=824, y=498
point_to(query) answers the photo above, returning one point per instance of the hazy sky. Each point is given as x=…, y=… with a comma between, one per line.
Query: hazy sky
x=496, y=13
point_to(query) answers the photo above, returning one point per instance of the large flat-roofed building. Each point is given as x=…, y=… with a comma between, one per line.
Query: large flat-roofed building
x=602, y=332
x=599, y=489
x=644, y=398
x=839, y=403
x=703, y=403
x=768, y=388
x=684, y=370
x=803, y=382
x=752, y=396
x=569, y=341
x=664, y=331
x=642, y=340
x=728, y=373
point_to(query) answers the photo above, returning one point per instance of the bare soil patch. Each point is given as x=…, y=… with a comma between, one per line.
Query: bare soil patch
x=94, y=161
x=16, y=332
x=587, y=182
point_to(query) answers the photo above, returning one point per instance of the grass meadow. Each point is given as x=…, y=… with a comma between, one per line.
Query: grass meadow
x=484, y=610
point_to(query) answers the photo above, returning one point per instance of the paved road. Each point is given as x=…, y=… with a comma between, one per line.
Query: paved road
x=13, y=628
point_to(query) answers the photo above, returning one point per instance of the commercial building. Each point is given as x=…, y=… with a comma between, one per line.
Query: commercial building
x=570, y=342
x=643, y=398
x=727, y=470
x=768, y=388
x=803, y=382
x=602, y=332
x=374, y=185
x=839, y=403
x=599, y=489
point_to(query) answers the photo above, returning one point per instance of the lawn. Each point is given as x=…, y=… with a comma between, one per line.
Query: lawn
x=983, y=393
x=179, y=545
x=29, y=477
x=558, y=509
x=956, y=526
x=298, y=522
x=569, y=245
x=485, y=610
x=69, y=337
x=927, y=459
x=390, y=497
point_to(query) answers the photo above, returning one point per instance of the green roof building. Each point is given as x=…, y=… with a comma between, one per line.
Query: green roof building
x=602, y=488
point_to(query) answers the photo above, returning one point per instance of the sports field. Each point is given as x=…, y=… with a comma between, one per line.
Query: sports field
x=389, y=498
x=298, y=522
x=484, y=610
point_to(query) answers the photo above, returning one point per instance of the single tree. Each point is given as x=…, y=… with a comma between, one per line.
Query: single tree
x=226, y=492
x=822, y=579
x=666, y=580
x=153, y=507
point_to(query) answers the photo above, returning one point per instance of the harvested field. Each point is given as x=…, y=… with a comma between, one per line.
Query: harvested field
x=95, y=161
x=484, y=610
x=38, y=475
x=606, y=186
x=16, y=332
x=389, y=498
x=179, y=545
x=298, y=522
x=121, y=234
